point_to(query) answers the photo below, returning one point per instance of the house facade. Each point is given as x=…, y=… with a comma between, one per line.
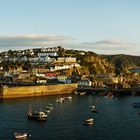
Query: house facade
x=84, y=83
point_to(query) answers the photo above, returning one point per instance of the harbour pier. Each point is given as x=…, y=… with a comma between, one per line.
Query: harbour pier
x=121, y=91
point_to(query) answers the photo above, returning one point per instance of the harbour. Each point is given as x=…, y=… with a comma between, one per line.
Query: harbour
x=66, y=119
x=36, y=90
x=120, y=91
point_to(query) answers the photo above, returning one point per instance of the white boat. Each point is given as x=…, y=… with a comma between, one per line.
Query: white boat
x=47, y=110
x=36, y=115
x=49, y=107
x=20, y=135
x=76, y=92
x=60, y=100
x=88, y=121
x=93, y=106
x=82, y=93
x=93, y=109
x=68, y=98
x=40, y=116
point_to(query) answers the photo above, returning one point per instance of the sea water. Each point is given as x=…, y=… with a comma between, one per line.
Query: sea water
x=116, y=119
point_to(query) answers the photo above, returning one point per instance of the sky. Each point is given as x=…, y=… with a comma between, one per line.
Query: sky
x=101, y=26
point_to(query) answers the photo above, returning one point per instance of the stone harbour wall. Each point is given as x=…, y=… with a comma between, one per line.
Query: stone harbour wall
x=39, y=90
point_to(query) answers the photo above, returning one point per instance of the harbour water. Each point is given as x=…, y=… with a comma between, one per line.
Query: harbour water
x=116, y=120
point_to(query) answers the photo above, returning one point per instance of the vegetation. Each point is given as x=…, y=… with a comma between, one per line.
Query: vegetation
x=123, y=62
x=94, y=64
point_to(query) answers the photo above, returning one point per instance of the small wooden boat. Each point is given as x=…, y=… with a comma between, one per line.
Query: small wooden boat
x=20, y=135
x=88, y=121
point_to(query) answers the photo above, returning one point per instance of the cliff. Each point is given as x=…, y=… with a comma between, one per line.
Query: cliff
x=41, y=90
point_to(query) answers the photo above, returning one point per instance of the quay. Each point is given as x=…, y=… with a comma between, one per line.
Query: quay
x=122, y=91
x=36, y=90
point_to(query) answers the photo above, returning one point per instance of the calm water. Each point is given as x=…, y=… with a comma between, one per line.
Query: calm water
x=116, y=120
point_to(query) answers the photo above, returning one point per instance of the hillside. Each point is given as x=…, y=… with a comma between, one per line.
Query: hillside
x=120, y=61
x=93, y=64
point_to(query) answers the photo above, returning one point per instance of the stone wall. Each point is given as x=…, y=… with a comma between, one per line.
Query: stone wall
x=41, y=90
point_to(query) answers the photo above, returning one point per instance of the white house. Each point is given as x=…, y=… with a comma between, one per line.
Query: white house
x=63, y=78
x=45, y=59
x=40, y=75
x=23, y=58
x=66, y=59
x=84, y=83
x=53, y=49
x=41, y=81
x=63, y=66
x=14, y=59
x=33, y=59
x=42, y=54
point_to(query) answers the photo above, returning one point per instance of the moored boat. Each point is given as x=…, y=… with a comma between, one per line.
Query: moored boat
x=47, y=111
x=60, y=100
x=68, y=98
x=36, y=115
x=40, y=116
x=88, y=121
x=82, y=93
x=93, y=109
x=20, y=135
x=49, y=108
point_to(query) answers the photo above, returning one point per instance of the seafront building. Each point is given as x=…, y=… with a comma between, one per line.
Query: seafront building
x=56, y=65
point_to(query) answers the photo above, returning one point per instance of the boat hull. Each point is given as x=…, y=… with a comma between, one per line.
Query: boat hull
x=20, y=136
x=88, y=122
x=37, y=118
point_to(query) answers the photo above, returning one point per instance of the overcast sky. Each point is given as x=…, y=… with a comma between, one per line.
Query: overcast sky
x=102, y=26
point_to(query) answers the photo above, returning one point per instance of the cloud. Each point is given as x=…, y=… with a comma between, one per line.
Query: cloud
x=112, y=41
x=27, y=41
x=110, y=46
x=31, y=40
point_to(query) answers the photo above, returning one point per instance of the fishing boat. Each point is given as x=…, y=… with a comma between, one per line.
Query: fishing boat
x=88, y=121
x=36, y=115
x=20, y=135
